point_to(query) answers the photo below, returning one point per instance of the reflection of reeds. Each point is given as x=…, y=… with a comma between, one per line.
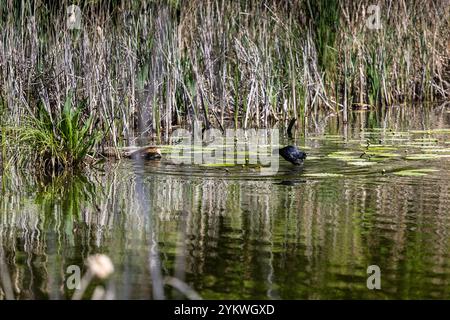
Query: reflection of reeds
x=217, y=233
x=5, y=280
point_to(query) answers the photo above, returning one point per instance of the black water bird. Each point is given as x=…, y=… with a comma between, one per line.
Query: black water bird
x=292, y=154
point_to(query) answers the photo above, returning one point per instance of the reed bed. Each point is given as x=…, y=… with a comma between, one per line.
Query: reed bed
x=141, y=69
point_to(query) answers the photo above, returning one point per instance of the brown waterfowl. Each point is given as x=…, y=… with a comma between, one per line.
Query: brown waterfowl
x=148, y=153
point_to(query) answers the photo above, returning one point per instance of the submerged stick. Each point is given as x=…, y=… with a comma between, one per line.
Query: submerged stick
x=148, y=152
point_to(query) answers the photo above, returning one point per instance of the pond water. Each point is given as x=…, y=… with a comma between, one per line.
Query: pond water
x=374, y=192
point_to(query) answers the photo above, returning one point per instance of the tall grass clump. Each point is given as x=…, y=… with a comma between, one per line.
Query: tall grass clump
x=57, y=144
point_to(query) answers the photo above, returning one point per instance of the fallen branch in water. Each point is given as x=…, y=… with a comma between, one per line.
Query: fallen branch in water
x=147, y=152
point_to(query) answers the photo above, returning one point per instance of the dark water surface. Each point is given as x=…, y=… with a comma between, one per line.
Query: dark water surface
x=301, y=234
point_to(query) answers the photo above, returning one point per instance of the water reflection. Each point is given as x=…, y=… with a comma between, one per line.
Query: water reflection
x=234, y=235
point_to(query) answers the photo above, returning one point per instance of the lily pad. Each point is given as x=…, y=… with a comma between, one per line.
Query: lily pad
x=177, y=157
x=443, y=130
x=344, y=158
x=383, y=154
x=443, y=150
x=323, y=175
x=345, y=155
x=414, y=172
x=362, y=163
x=372, y=159
x=218, y=165
x=433, y=146
x=381, y=147
x=426, y=156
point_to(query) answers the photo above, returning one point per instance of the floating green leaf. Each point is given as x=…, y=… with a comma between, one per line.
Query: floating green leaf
x=414, y=172
x=436, y=149
x=362, y=163
x=378, y=147
x=426, y=156
x=443, y=130
x=218, y=165
x=323, y=175
x=345, y=155
x=383, y=154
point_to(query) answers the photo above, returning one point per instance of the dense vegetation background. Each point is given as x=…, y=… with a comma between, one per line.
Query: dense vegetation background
x=150, y=66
